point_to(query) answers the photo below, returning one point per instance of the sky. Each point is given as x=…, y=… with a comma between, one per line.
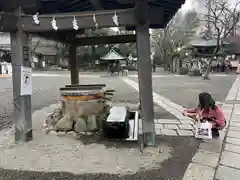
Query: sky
x=190, y=4
x=198, y=5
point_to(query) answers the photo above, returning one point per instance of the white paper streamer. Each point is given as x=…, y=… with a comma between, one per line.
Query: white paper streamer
x=35, y=19
x=75, y=25
x=95, y=21
x=54, y=24
x=115, y=19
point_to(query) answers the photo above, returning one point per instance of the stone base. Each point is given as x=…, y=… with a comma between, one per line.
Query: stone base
x=149, y=139
x=22, y=136
x=206, y=77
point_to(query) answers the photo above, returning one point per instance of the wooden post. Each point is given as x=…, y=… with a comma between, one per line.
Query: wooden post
x=22, y=115
x=145, y=71
x=73, y=64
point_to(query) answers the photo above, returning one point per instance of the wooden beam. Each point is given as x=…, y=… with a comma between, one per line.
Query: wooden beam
x=97, y=4
x=105, y=40
x=67, y=38
x=8, y=22
x=28, y=6
x=126, y=18
x=71, y=3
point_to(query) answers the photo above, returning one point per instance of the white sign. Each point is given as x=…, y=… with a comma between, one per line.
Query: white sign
x=26, y=81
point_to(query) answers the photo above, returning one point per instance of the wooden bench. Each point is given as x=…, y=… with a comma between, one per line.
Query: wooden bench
x=120, y=115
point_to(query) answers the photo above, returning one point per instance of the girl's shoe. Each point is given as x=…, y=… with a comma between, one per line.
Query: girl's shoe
x=215, y=133
x=207, y=140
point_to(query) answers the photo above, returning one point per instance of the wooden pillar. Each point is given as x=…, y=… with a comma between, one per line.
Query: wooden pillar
x=145, y=71
x=73, y=64
x=22, y=114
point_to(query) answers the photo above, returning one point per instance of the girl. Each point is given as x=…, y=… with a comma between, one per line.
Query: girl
x=208, y=111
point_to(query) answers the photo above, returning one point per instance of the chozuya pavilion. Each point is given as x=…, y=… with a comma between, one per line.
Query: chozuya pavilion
x=62, y=21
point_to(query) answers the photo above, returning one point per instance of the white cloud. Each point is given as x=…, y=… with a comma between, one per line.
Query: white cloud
x=193, y=4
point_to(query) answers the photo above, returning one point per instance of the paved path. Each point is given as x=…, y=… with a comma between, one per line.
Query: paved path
x=181, y=126
x=215, y=160
x=179, y=87
x=183, y=90
x=220, y=160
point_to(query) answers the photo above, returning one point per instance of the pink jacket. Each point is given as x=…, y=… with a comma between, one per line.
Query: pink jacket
x=216, y=113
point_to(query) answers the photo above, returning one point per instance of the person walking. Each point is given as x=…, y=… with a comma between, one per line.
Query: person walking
x=154, y=67
x=238, y=69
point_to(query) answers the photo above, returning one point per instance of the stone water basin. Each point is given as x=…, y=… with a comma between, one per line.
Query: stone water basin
x=84, y=108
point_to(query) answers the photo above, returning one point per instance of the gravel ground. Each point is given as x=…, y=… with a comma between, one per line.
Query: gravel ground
x=49, y=157
x=173, y=168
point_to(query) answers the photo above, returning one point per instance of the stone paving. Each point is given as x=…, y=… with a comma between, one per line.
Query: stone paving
x=220, y=158
x=177, y=88
x=174, y=127
x=181, y=125
x=229, y=165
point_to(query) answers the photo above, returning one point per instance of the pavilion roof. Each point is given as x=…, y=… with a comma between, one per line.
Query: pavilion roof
x=203, y=43
x=65, y=6
x=112, y=55
x=200, y=42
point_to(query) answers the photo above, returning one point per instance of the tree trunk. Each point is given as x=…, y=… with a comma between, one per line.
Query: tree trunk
x=165, y=60
x=173, y=66
x=178, y=65
x=206, y=74
x=165, y=67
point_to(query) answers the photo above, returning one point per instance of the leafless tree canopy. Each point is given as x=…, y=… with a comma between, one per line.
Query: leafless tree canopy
x=221, y=22
x=177, y=33
x=221, y=19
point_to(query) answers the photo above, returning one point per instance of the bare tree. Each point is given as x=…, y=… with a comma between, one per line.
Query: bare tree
x=221, y=20
x=32, y=48
x=161, y=40
x=176, y=34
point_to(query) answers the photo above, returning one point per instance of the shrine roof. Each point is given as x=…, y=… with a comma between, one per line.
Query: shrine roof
x=113, y=55
x=65, y=6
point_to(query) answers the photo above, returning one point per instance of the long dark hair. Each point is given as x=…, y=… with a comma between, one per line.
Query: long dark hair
x=206, y=101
